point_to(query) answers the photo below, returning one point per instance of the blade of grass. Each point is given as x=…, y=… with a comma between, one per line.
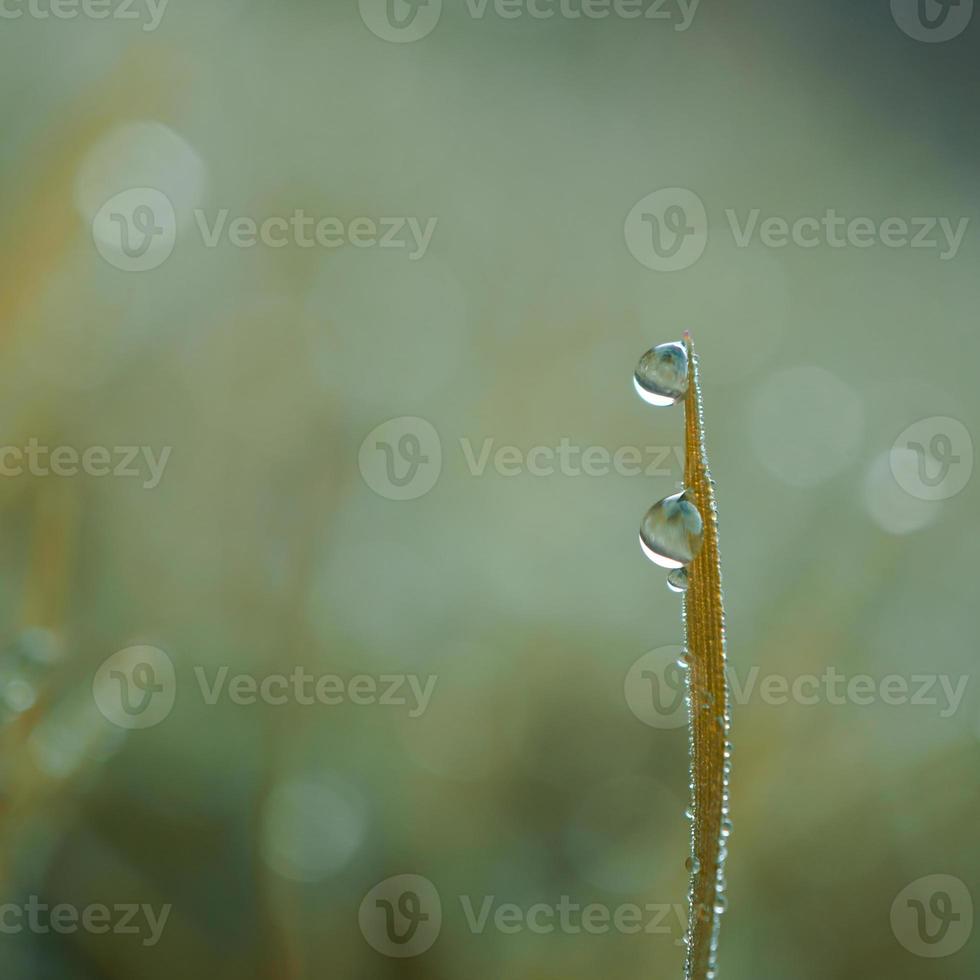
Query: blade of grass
x=704, y=624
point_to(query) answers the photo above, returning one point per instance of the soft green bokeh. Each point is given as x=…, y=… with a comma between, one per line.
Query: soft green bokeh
x=534, y=771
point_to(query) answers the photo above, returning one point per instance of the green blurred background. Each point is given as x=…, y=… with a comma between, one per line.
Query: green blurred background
x=276, y=539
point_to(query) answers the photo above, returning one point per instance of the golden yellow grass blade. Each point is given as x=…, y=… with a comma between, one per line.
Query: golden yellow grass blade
x=704, y=622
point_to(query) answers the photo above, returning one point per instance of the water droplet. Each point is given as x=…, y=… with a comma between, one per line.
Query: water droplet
x=677, y=580
x=661, y=374
x=672, y=531
x=693, y=865
x=726, y=828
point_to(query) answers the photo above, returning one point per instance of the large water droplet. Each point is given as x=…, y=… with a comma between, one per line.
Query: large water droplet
x=672, y=531
x=677, y=580
x=660, y=377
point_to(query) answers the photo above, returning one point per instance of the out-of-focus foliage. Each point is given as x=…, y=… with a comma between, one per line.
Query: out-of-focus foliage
x=272, y=541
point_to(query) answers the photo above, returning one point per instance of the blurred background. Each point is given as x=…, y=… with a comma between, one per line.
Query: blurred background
x=327, y=645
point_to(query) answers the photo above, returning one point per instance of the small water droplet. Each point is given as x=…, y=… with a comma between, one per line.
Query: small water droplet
x=677, y=580
x=661, y=374
x=726, y=828
x=693, y=865
x=672, y=531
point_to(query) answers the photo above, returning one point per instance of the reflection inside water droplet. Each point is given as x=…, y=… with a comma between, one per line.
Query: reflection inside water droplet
x=660, y=377
x=677, y=580
x=672, y=531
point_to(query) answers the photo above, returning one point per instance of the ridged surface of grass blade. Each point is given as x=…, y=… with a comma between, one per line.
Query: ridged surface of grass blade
x=704, y=624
